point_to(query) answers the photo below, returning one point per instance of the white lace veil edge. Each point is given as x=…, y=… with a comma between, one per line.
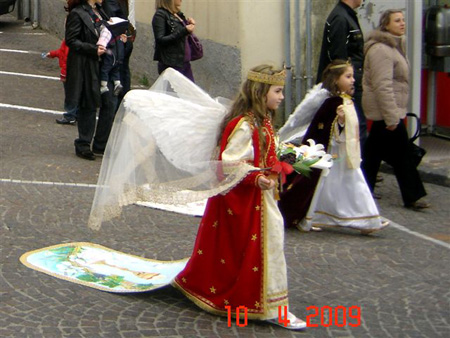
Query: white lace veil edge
x=161, y=148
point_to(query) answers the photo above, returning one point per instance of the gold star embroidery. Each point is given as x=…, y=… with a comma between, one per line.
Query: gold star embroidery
x=222, y=261
x=320, y=126
x=257, y=208
x=215, y=224
x=200, y=252
x=226, y=302
x=255, y=268
x=230, y=212
x=257, y=305
x=254, y=237
x=212, y=289
x=184, y=280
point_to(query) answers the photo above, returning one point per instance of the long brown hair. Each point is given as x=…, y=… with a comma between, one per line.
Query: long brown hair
x=252, y=99
x=71, y=4
x=331, y=75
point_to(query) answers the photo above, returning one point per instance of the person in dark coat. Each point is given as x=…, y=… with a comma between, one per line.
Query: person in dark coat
x=119, y=8
x=343, y=39
x=171, y=28
x=83, y=80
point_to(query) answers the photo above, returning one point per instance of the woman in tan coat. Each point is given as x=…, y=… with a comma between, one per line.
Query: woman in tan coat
x=385, y=100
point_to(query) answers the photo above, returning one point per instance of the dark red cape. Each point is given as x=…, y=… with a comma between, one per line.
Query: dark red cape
x=298, y=190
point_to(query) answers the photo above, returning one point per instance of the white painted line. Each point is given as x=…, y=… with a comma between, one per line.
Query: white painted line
x=85, y=185
x=39, y=110
x=18, y=51
x=417, y=234
x=30, y=75
x=15, y=33
x=82, y=185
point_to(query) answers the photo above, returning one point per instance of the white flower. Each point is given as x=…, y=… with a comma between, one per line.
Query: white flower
x=312, y=151
x=325, y=163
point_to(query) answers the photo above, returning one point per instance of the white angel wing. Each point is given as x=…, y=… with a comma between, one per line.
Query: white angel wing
x=160, y=149
x=299, y=121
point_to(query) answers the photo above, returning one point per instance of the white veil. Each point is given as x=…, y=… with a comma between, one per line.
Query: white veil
x=161, y=149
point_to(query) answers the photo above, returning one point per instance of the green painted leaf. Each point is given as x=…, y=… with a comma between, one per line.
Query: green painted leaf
x=88, y=278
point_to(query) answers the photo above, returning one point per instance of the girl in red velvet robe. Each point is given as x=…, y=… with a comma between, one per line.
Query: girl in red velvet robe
x=238, y=258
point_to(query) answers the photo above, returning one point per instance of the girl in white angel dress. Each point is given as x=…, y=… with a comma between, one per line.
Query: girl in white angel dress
x=340, y=198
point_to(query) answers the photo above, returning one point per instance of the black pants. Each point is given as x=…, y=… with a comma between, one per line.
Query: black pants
x=109, y=68
x=125, y=74
x=87, y=125
x=111, y=61
x=393, y=148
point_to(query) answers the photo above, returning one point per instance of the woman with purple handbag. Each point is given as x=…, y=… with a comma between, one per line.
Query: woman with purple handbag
x=175, y=44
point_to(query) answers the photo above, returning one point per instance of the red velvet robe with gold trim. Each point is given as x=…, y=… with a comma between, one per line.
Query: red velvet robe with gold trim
x=227, y=266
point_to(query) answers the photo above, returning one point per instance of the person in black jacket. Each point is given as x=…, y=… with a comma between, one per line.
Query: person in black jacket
x=171, y=28
x=83, y=78
x=343, y=39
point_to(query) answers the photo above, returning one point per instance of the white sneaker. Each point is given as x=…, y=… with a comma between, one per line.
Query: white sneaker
x=294, y=322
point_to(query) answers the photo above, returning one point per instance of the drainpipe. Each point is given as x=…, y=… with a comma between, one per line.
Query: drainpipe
x=288, y=65
x=298, y=62
x=308, y=46
x=414, y=50
x=431, y=93
x=35, y=14
x=26, y=10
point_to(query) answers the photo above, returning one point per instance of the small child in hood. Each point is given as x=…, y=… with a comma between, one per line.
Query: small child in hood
x=70, y=116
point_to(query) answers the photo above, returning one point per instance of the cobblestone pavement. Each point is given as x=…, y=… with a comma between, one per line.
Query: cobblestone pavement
x=398, y=277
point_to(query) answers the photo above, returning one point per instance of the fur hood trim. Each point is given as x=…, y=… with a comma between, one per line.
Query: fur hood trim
x=386, y=38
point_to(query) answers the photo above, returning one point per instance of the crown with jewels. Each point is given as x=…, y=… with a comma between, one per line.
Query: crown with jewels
x=277, y=79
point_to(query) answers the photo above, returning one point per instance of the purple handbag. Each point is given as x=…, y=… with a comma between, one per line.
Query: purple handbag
x=196, y=47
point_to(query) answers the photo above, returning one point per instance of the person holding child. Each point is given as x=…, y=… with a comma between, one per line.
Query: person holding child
x=342, y=198
x=83, y=76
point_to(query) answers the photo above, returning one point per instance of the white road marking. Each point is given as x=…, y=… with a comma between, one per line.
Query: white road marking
x=16, y=33
x=84, y=185
x=30, y=75
x=39, y=110
x=18, y=51
x=417, y=234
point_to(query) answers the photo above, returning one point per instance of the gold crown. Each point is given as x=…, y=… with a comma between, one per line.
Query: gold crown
x=342, y=65
x=275, y=79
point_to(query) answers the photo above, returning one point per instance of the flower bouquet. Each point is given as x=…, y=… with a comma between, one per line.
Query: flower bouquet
x=303, y=158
